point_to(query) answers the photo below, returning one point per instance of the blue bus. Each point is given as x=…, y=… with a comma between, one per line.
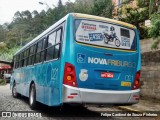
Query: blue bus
x=81, y=59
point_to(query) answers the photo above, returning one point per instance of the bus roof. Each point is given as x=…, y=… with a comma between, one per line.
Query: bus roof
x=78, y=15
x=103, y=19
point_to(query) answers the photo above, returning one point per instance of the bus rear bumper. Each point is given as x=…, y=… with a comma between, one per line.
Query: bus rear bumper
x=91, y=96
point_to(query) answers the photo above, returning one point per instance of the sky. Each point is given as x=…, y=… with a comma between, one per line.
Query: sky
x=9, y=7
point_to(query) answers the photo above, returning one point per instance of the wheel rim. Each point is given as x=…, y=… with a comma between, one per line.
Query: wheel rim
x=31, y=96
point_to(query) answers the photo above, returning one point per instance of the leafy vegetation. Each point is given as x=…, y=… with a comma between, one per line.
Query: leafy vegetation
x=2, y=82
x=8, y=54
x=154, y=30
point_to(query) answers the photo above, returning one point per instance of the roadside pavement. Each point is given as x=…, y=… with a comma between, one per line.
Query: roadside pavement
x=144, y=105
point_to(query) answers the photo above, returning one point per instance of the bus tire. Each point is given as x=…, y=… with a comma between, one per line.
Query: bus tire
x=14, y=92
x=32, y=97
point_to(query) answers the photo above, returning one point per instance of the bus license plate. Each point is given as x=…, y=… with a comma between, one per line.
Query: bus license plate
x=107, y=74
x=127, y=84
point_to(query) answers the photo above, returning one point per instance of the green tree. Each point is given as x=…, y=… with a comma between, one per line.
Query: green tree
x=60, y=5
x=154, y=30
x=83, y=6
x=102, y=8
x=2, y=34
x=8, y=53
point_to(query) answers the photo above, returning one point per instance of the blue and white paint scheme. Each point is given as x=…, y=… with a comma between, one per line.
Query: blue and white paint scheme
x=98, y=61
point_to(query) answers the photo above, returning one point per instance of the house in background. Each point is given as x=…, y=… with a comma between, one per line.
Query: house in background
x=5, y=68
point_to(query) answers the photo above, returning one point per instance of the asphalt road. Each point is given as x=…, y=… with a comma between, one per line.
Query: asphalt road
x=8, y=103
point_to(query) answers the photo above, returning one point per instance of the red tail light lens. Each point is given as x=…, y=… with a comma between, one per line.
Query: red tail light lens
x=136, y=84
x=69, y=75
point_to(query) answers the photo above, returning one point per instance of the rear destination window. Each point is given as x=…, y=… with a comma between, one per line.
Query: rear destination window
x=104, y=34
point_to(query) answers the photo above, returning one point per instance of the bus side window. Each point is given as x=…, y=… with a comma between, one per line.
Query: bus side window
x=13, y=64
x=58, y=41
x=17, y=61
x=43, y=50
x=22, y=59
x=50, y=46
x=30, y=58
x=38, y=53
x=34, y=53
x=26, y=53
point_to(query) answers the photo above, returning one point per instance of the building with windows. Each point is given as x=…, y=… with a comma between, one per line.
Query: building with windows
x=5, y=67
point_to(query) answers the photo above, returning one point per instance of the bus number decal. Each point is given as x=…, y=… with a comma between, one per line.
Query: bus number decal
x=54, y=73
x=128, y=78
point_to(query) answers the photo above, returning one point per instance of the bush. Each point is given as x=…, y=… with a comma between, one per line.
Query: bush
x=2, y=82
x=154, y=30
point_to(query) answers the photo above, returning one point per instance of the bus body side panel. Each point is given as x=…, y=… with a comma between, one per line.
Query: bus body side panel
x=47, y=82
x=18, y=78
x=139, y=51
x=65, y=55
x=51, y=81
x=47, y=77
x=68, y=50
x=52, y=86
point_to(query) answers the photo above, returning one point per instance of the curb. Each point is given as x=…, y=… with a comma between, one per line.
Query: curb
x=128, y=109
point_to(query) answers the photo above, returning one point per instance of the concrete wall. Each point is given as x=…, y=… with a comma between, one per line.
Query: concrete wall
x=150, y=72
x=146, y=45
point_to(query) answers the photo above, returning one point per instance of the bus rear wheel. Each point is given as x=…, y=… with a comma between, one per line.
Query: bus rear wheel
x=32, y=97
x=14, y=91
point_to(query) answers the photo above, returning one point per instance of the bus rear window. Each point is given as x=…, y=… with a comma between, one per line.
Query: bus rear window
x=104, y=34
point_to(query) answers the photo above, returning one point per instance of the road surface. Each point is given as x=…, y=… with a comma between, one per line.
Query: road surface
x=8, y=103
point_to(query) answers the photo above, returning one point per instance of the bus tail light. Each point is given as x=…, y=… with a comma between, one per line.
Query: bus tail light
x=136, y=84
x=70, y=75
